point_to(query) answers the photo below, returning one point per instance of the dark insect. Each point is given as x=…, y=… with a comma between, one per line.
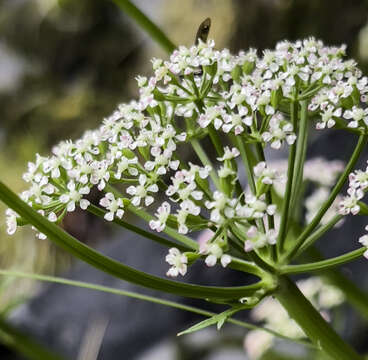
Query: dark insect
x=203, y=31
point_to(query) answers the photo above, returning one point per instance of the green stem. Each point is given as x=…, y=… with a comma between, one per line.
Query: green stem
x=317, y=218
x=247, y=267
x=215, y=138
x=115, y=268
x=324, y=264
x=290, y=175
x=146, y=24
x=312, y=323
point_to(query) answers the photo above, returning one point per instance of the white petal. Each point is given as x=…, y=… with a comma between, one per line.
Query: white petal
x=225, y=260
x=84, y=203
x=109, y=216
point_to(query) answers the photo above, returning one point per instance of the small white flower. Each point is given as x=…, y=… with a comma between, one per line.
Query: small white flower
x=214, y=252
x=162, y=215
x=100, y=174
x=359, y=179
x=229, y=154
x=142, y=191
x=126, y=165
x=213, y=114
x=74, y=196
x=178, y=262
x=349, y=204
x=356, y=115
x=257, y=239
x=113, y=205
x=327, y=117
x=279, y=131
x=11, y=221
x=267, y=175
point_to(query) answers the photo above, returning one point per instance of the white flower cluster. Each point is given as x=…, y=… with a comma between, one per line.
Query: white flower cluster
x=198, y=92
x=358, y=186
x=323, y=296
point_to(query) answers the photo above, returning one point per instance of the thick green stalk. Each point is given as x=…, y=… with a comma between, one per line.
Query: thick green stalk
x=115, y=268
x=312, y=323
x=290, y=175
x=146, y=24
x=324, y=264
x=340, y=183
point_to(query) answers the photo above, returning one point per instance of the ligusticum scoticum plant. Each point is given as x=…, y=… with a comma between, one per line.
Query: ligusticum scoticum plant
x=227, y=110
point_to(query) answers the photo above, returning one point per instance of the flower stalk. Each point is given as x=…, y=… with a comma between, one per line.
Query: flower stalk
x=313, y=324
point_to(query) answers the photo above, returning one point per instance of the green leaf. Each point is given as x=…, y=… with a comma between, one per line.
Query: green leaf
x=218, y=319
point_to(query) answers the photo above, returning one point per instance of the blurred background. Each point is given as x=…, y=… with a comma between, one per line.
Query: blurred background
x=66, y=64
